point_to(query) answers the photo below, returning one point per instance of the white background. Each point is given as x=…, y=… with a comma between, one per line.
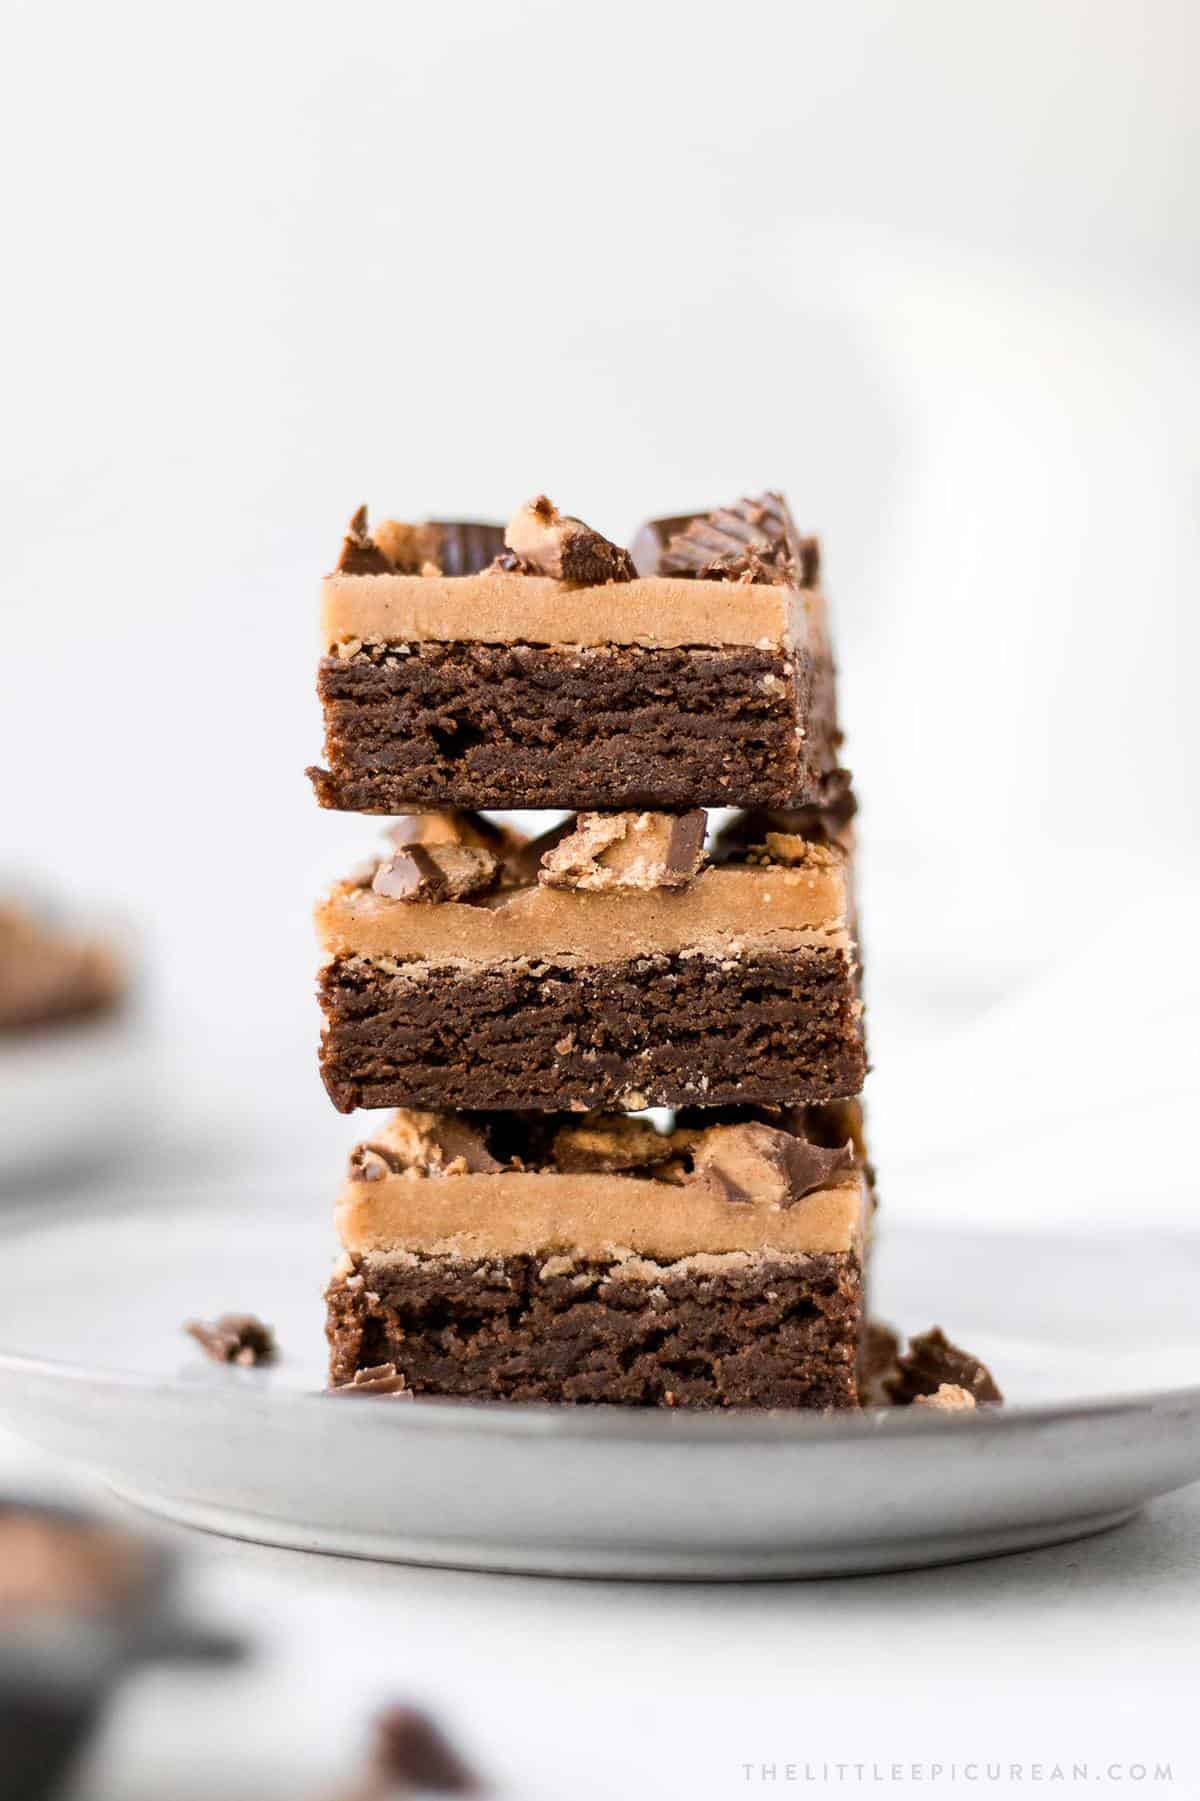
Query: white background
x=931, y=267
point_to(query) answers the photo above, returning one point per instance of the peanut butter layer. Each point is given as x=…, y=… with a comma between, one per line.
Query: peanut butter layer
x=721, y=913
x=498, y=608
x=589, y=1215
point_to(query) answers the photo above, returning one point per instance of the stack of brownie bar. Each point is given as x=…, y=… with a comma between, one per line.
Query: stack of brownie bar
x=627, y=1161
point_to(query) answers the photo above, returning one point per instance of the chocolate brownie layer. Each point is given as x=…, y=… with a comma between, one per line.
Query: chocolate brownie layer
x=650, y=1031
x=491, y=725
x=707, y=1331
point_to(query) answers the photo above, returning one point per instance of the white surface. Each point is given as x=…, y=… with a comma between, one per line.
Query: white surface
x=577, y=1491
x=1084, y=1654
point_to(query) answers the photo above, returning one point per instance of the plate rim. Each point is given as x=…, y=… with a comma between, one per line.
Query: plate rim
x=605, y=1420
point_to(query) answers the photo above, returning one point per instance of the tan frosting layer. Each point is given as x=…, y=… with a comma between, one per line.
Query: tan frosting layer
x=596, y=1216
x=496, y=608
x=722, y=912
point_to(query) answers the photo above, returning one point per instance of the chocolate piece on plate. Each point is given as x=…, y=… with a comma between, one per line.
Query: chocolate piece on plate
x=931, y=1361
x=234, y=1338
x=375, y=1379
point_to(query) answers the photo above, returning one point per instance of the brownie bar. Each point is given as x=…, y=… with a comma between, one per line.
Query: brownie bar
x=651, y=1031
x=711, y=986
x=521, y=725
x=559, y=677
x=768, y=1331
x=599, y=1258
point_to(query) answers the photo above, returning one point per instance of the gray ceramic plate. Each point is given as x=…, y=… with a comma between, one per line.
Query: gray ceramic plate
x=1104, y=1413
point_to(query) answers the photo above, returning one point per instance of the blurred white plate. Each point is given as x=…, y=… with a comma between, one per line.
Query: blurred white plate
x=71, y=1093
x=93, y=1365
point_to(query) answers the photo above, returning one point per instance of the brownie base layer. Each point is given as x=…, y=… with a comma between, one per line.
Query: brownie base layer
x=658, y=1031
x=486, y=725
x=707, y=1332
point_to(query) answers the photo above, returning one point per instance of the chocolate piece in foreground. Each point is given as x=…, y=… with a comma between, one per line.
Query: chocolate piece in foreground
x=599, y=690
x=547, y=542
x=412, y=1752
x=739, y=987
x=931, y=1362
x=652, y=1285
x=234, y=1338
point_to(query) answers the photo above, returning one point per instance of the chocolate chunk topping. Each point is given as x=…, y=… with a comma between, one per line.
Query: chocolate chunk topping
x=380, y=1379
x=812, y=1166
x=931, y=1361
x=410, y=875
x=234, y=1338
x=756, y=1162
x=411, y=1752
x=744, y=1163
x=752, y=540
x=627, y=850
x=436, y=872
x=432, y=1144
x=360, y=555
x=409, y=549
x=608, y=1142
x=525, y=860
x=466, y=546
x=547, y=542
x=507, y=562
x=435, y=547
x=652, y=539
